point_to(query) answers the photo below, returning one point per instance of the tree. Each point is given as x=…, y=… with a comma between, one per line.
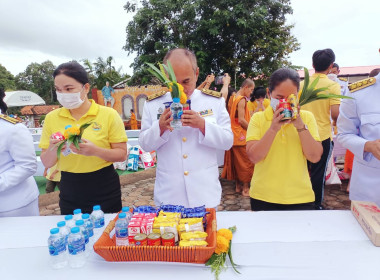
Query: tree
x=7, y=80
x=38, y=78
x=226, y=35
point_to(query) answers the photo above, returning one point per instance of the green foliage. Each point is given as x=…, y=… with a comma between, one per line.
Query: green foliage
x=7, y=80
x=38, y=78
x=226, y=35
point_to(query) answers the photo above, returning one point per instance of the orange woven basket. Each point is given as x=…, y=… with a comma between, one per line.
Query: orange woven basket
x=106, y=248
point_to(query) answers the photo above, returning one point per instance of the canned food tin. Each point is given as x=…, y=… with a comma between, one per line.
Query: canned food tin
x=154, y=239
x=141, y=239
x=168, y=239
x=287, y=112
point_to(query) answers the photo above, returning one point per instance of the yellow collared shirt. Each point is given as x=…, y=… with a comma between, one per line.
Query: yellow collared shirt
x=106, y=128
x=282, y=177
x=253, y=105
x=321, y=108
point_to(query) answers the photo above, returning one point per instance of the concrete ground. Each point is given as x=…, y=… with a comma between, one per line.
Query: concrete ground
x=137, y=189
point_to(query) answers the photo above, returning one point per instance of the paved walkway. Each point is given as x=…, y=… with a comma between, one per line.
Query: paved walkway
x=137, y=189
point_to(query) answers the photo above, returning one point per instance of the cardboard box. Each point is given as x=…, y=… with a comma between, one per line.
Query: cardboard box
x=368, y=216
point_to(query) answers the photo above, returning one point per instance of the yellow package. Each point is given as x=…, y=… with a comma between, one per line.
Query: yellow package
x=182, y=228
x=293, y=100
x=163, y=227
x=184, y=243
x=170, y=215
x=165, y=220
x=194, y=236
x=191, y=221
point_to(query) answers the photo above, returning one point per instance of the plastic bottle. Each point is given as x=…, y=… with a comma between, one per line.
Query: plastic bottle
x=69, y=221
x=77, y=248
x=128, y=213
x=97, y=217
x=77, y=214
x=121, y=230
x=57, y=249
x=64, y=230
x=88, y=224
x=177, y=110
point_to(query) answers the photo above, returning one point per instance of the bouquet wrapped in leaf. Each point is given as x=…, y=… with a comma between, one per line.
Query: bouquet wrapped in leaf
x=223, y=248
x=162, y=74
x=72, y=135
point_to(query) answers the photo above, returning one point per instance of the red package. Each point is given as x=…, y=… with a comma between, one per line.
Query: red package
x=58, y=135
x=134, y=228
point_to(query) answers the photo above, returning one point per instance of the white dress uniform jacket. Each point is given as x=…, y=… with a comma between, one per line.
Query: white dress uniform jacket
x=359, y=122
x=187, y=170
x=343, y=86
x=18, y=164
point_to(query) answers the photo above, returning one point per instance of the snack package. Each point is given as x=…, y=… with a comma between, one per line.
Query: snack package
x=293, y=100
x=162, y=227
x=146, y=209
x=172, y=208
x=194, y=236
x=147, y=160
x=133, y=159
x=58, y=135
x=185, y=243
x=182, y=228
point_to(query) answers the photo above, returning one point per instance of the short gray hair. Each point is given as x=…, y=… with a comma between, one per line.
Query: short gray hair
x=186, y=52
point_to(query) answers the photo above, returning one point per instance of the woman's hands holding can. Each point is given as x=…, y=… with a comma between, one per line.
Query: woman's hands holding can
x=277, y=120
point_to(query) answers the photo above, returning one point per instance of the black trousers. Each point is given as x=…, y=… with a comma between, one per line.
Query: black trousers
x=84, y=190
x=259, y=205
x=318, y=172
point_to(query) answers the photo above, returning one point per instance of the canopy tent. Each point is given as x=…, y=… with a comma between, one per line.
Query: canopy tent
x=22, y=98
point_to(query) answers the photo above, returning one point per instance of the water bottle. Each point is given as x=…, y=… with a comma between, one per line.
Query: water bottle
x=121, y=230
x=177, y=110
x=57, y=249
x=97, y=217
x=77, y=248
x=64, y=230
x=77, y=214
x=88, y=224
x=128, y=213
x=69, y=221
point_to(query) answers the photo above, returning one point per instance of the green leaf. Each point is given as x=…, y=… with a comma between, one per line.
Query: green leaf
x=76, y=142
x=60, y=149
x=231, y=259
x=171, y=72
x=212, y=259
x=157, y=73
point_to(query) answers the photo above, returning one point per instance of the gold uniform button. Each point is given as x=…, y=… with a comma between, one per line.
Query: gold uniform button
x=184, y=156
x=184, y=139
x=186, y=173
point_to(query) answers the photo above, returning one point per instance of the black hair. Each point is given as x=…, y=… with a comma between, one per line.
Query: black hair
x=132, y=111
x=258, y=92
x=322, y=59
x=231, y=90
x=3, y=106
x=281, y=75
x=335, y=65
x=73, y=70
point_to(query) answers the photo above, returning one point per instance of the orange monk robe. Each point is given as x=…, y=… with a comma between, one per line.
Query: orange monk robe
x=133, y=121
x=348, y=162
x=237, y=166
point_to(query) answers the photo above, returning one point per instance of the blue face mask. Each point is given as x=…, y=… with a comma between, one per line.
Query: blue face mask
x=274, y=103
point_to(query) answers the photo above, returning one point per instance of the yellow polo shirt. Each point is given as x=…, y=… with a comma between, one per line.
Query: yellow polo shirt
x=106, y=128
x=321, y=108
x=253, y=105
x=282, y=177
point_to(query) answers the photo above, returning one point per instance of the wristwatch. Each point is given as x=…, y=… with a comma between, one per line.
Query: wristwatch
x=302, y=129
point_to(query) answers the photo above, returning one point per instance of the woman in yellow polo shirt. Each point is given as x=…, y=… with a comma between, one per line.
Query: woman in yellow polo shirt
x=258, y=101
x=88, y=177
x=280, y=150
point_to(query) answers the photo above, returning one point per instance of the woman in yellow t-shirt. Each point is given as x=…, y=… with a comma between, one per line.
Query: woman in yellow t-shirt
x=280, y=150
x=258, y=102
x=88, y=177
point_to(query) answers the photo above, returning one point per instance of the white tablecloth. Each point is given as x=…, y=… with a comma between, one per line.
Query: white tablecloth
x=267, y=245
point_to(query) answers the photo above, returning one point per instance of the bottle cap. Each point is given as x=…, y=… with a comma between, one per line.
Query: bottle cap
x=96, y=207
x=122, y=215
x=68, y=217
x=79, y=223
x=61, y=224
x=176, y=100
x=54, y=230
x=85, y=216
x=75, y=230
x=77, y=211
x=125, y=209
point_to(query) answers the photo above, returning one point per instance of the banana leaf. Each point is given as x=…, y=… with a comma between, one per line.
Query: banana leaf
x=83, y=127
x=157, y=73
x=60, y=146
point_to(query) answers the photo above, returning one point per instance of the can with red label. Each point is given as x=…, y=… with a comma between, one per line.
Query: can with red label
x=141, y=239
x=154, y=239
x=168, y=239
x=287, y=112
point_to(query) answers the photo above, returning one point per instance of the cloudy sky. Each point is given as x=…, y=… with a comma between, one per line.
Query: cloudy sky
x=38, y=30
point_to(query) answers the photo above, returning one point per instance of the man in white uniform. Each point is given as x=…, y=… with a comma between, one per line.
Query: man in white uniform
x=359, y=131
x=187, y=170
x=334, y=72
x=18, y=189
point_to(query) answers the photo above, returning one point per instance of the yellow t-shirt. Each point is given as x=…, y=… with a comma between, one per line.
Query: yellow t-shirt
x=106, y=128
x=253, y=105
x=321, y=108
x=282, y=177
x=56, y=177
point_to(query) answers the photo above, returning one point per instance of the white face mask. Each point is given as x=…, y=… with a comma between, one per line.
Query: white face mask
x=332, y=77
x=274, y=103
x=70, y=100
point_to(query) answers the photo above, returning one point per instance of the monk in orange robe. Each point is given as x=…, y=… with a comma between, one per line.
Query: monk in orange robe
x=133, y=120
x=237, y=166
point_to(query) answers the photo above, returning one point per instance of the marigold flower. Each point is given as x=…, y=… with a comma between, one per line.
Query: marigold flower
x=226, y=233
x=222, y=244
x=183, y=98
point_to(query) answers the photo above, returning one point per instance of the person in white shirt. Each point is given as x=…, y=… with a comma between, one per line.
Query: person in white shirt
x=187, y=170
